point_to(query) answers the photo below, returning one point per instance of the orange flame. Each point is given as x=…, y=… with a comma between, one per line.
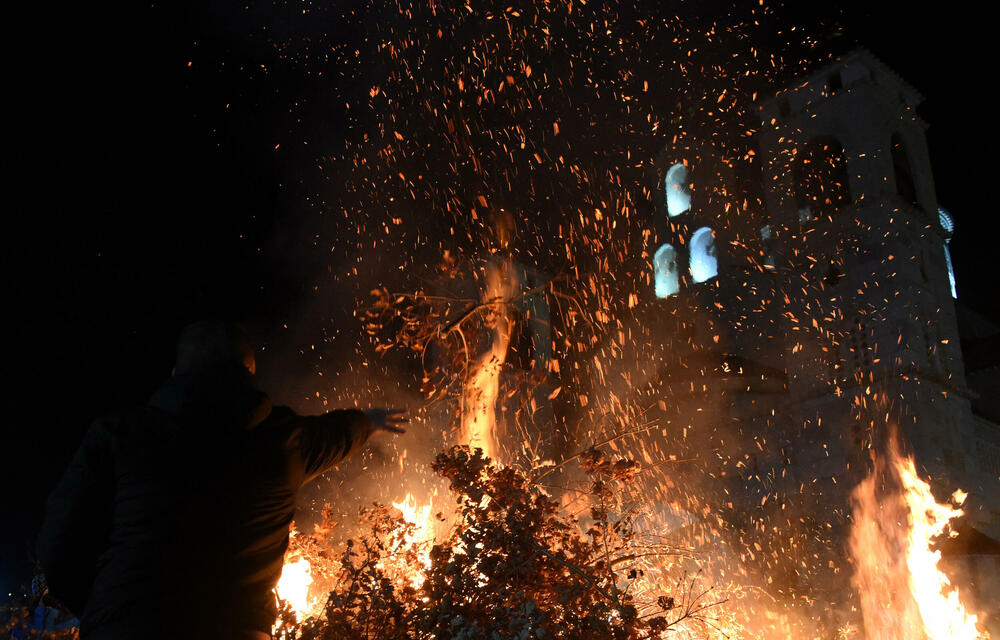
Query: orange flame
x=422, y=533
x=482, y=385
x=904, y=594
x=293, y=586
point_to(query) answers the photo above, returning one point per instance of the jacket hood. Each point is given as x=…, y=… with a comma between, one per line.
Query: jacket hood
x=225, y=396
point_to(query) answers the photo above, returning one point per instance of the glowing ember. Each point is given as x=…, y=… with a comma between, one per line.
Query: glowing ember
x=293, y=586
x=904, y=594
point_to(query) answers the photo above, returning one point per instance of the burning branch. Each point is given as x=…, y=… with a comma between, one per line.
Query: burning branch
x=469, y=345
x=512, y=564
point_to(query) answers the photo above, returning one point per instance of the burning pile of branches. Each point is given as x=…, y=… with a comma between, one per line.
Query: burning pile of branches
x=513, y=565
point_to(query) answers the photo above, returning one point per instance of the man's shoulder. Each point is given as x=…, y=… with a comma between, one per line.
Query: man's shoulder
x=279, y=419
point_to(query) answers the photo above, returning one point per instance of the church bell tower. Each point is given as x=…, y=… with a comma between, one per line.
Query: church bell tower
x=858, y=239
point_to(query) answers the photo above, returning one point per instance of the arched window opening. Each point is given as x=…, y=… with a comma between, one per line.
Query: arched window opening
x=836, y=83
x=678, y=189
x=860, y=361
x=948, y=224
x=951, y=272
x=704, y=264
x=784, y=106
x=905, y=185
x=821, y=179
x=833, y=275
x=946, y=221
x=666, y=278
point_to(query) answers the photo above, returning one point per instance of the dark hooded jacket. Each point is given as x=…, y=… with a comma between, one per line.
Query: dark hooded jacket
x=172, y=519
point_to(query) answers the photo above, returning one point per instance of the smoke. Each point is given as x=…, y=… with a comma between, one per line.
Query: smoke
x=565, y=117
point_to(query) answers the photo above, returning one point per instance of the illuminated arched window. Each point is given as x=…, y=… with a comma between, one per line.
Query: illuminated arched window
x=948, y=225
x=905, y=184
x=666, y=279
x=946, y=221
x=704, y=264
x=951, y=272
x=678, y=189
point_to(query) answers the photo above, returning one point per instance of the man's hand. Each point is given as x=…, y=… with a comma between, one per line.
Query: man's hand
x=391, y=420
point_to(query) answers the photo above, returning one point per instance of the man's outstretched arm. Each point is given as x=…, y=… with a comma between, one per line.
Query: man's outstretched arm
x=334, y=436
x=77, y=520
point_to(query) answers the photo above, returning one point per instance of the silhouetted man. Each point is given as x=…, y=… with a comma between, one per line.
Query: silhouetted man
x=172, y=519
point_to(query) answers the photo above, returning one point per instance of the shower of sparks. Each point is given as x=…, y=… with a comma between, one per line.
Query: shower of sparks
x=566, y=116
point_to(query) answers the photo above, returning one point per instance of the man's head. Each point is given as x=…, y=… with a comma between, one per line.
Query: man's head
x=211, y=343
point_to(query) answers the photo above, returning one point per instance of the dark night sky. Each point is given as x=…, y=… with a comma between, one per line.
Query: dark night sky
x=143, y=202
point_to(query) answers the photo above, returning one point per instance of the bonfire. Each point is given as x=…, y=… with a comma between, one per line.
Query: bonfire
x=904, y=593
x=511, y=564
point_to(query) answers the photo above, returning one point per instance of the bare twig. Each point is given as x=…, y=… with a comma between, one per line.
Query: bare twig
x=607, y=554
x=590, y=581
x=476, y=307
x=648, y=427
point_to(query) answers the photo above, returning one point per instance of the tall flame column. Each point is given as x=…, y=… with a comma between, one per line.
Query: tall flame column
x=904, y=594
x=482, y=382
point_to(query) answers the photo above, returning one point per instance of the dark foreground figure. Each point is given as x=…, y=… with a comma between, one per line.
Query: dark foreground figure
x=172, y=519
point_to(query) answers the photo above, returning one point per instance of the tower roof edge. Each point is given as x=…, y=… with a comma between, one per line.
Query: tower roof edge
x=859, y=56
